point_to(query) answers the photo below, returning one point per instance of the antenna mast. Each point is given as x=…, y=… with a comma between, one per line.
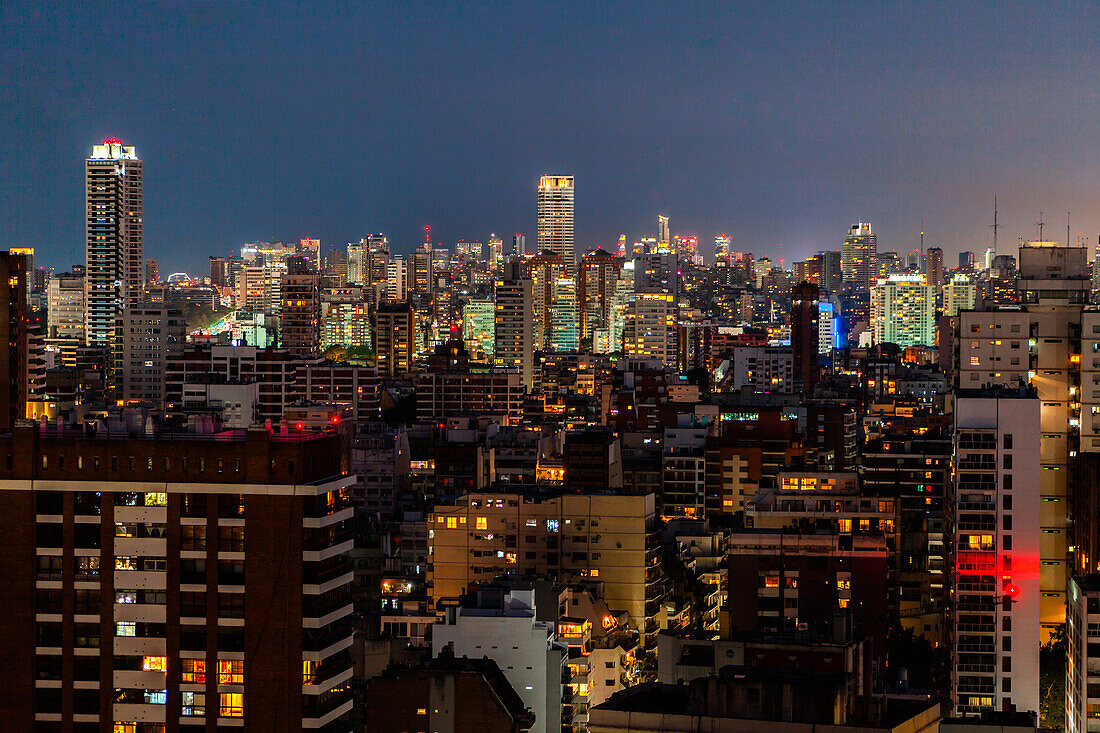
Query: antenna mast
x=995, y=226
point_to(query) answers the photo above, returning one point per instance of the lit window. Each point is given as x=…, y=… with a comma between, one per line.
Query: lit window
x=771, y=581
x=156, y=499
x=154, y=664
x=193, y=671
x=123, y=562
x=421, y=711
x=125, y=628
x=482, y=523
x=452, y=522
x=193, y=704
x=231, y=704
x=230, y=672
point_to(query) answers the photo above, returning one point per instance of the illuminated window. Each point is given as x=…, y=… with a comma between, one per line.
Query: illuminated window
x=123, y=562
x=482, y=523
x=421, y=711
x=452, y=522
x=844, y=584
x=975, y=361
x=154, y=664
x=156, y=499
x=193, y=671
x=125, y=728
x=595, y=573
x=125, y=628
x=231, y=704
x=230, y=672
x=771, y=581
x=845, y=525
x=842, y=602
x=193, y=704
x=309, y=669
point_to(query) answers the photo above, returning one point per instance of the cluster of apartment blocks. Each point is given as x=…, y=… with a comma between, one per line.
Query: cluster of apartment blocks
x=155, y=584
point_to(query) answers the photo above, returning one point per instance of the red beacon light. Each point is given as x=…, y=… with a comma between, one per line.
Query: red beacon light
x=335, y=419
x=1013, y=590
x=301, y=426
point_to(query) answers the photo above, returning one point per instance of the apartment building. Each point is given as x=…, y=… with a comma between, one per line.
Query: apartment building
x=998, y=544
x=156, y=585
x=571, y=538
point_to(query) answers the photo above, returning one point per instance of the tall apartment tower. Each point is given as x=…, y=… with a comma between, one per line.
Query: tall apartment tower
x=13, y=334
x=933, y=267
x=903, y=311
x=805, y=314
x=996, y=496
x=300, y=314
x=151, y=334
x=1046, y=343
x=599, y=272
x=114, y=236
x=394, y=338
x=858, y=261
x=514, y=327
x=127, y=566
x=556, y=218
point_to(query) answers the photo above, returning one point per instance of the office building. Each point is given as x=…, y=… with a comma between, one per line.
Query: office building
x=545, y=270
x=114, y=277
x=903, y=311
x=479, y=325
x=722, y=247
x=564, y=329
x=596, y=279
x=995, y=629
x=397, y=280
x=555, y=233
x=519, y=245
x=154, y=583
x=149, y=335
x=858, y=258
x=664, y=240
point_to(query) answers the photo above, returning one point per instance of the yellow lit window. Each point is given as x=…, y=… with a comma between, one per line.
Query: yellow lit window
x=844, y=584
x=482, y=523
x=230, y=672
x=842, y=602
x=309, y=669
x=193, y=671
x=154, y=664
x=421, y=711
x=771, y=581
x=125, y=728
x=975, y=361
x=845, y=525
x=156, y=499
x=594, y=572
x=231, y=704
x=452, y=522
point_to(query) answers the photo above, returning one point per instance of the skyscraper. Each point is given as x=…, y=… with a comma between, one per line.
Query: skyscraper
x=519, y=245
x=663, y=237
x=13, y=334
x=556, y=218
x=858, y=257
x=804, y=332
x=514, y=339
x=722, y=244
x=933, y=267
x=113, y=243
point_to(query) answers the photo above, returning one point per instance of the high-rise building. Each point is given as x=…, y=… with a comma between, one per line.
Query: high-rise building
x=513, y=327
x=564, y=331
x=150, y=334
x=155, y=583
x=996, y=488
x=545, y=268
x=722, y=247
x=858, y=261
x=933, y=267
x=1043, y=343
x=599, y=272
x=555, y=232
x=152, y=276
x=959, y=294
x=114, y=238
x=311, y=250
x=519, y=245
x=420, y=279
x=397, y=280
x=478, y=326
x=394, y=339
x=300, y=314
x=1082, y=645
x=805, y=315
x=65, y=315
x=650, y=328
x=664, y=240
x=496, y=251
x=219, y=277
x=966, y=260
x=14, y=336
x=903, y=311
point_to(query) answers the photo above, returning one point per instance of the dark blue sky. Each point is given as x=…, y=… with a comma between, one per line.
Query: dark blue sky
x=782, y=123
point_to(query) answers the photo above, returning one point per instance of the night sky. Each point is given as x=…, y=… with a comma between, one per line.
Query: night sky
x=783, y=123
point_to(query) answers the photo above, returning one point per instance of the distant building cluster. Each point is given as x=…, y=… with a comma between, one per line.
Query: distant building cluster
x=482, y=487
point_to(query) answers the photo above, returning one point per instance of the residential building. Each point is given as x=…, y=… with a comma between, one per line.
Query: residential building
x=114, y=279
x=394, y=339
x=903, y=311
x=555, y=220
x=997, y=539
x=149, y=336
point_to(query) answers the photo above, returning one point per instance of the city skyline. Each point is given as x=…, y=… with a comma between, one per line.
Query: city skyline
x=711, y=129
